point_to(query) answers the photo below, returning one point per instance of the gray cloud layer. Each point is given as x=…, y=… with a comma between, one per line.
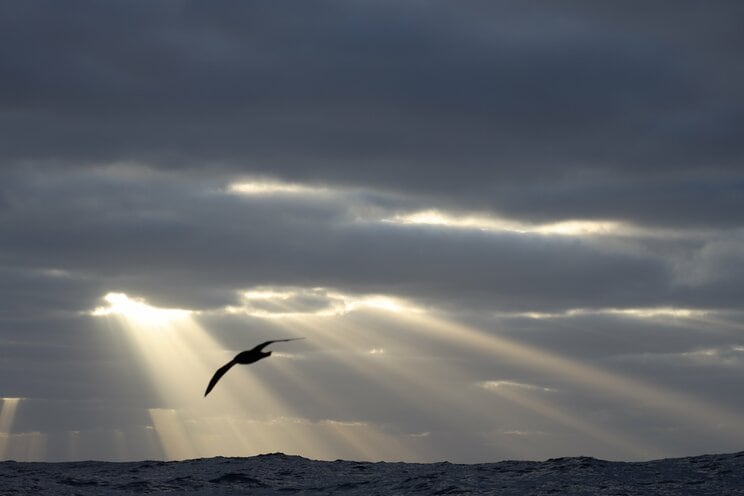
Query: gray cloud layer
x=155, y=237
x=533, y=109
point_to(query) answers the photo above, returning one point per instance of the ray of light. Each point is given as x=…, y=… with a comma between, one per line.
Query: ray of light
x=177, y=431
x=330, y=330
x=353, y=342
x=345, y=341
x=73, y=445
x=369, y=442
x=675, y=404
x=25, y=446
x=357, y=351
x=425, y=382
x=180, y=357
x=137, y=442
x=458, y=399
x=34, y=446
x=119, y=444
x=439, y=383
x=7, y=415
x=431, y=391
x=174, y=438
x=527, y=397
x=609, y=385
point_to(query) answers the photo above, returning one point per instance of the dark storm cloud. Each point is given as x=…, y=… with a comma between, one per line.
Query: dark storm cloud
x=475, y=104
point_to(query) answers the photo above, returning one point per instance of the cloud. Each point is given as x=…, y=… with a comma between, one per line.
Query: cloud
x=154, y=234
x=539, y=114
x=143, y=236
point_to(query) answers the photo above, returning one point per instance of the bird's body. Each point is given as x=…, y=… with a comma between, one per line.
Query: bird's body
x=244, y=358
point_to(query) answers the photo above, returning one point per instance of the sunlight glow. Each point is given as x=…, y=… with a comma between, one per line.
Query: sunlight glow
x=481, y=221
x=494, y=385
x=138, y=311
x=382, y=302
x=266, y=294
x=485, y=222
x=656, y=312
x=276, y=303
x=636, y=313
x=273, y=187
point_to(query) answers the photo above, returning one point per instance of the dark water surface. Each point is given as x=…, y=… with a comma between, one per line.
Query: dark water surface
x=282, y=474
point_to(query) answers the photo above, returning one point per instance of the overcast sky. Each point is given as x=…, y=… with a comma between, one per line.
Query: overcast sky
x=506, y=229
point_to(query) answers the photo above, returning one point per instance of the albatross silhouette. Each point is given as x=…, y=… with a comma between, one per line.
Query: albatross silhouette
x=244, y=358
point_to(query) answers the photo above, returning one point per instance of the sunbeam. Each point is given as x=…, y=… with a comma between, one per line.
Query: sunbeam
x=7, y=415
x=529, y=398
x=174, y=438
x=384, y=345
x=180, y=357
x=438, y=385
x=674, y=404
x=24, y=446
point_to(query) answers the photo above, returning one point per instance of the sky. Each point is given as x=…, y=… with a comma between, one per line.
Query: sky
x=506, y=230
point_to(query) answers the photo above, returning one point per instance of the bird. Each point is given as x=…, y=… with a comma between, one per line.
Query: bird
x=244, y=358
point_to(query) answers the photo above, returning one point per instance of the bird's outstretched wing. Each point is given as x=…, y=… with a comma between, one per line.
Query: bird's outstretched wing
x=267, y=343
x=216, y=377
